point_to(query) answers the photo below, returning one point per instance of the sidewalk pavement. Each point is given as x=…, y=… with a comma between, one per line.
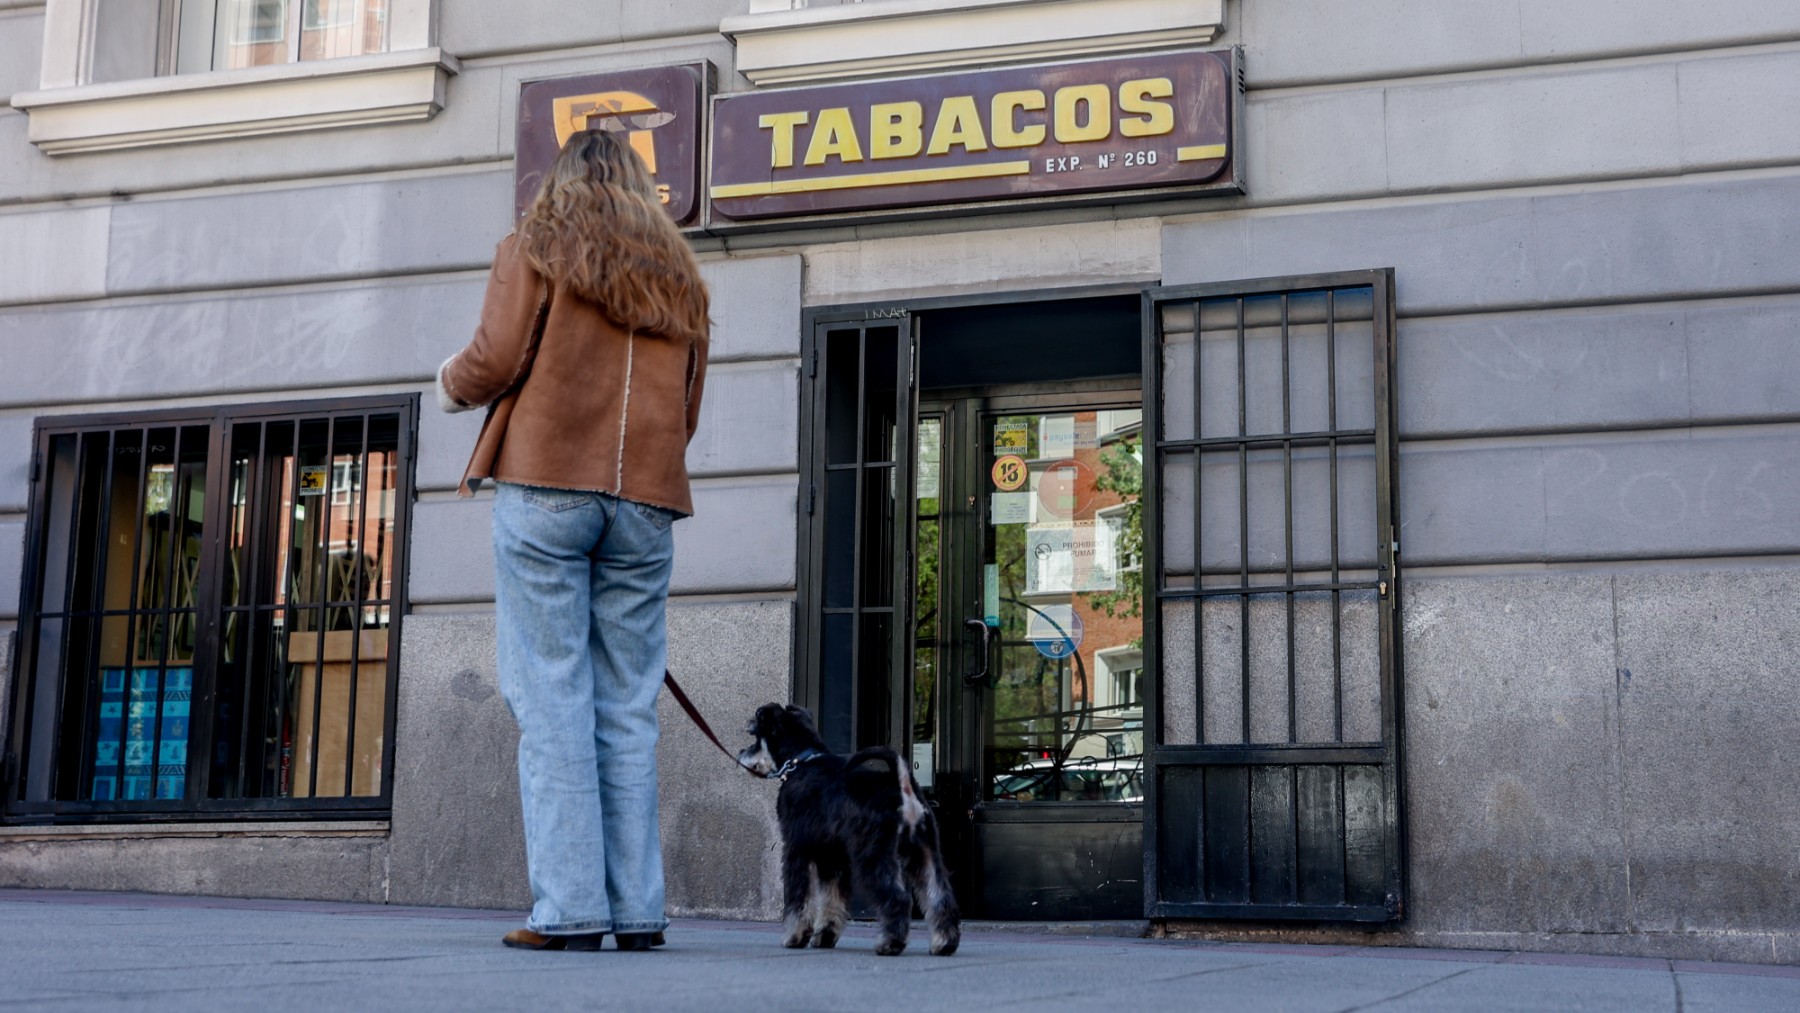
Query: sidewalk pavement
x=78, y=951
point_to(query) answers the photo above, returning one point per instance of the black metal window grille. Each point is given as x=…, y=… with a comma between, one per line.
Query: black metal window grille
x=212, y=603
x=1276, y=759
x=859, y=531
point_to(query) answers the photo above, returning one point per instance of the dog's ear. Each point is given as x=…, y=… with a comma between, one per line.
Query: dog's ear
x=802, y=717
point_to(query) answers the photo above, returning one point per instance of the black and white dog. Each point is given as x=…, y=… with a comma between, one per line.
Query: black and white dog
x=850, y=822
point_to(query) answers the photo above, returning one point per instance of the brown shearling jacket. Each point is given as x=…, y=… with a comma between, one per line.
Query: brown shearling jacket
x=585, y=405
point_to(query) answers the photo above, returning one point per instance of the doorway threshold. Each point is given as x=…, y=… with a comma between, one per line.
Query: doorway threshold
x=1121, y=929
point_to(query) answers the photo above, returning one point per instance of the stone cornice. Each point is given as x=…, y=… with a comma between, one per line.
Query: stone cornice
x=884, y=37
x=379, y=88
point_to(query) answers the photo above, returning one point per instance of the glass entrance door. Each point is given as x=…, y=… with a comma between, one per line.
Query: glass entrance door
x=1027, y=695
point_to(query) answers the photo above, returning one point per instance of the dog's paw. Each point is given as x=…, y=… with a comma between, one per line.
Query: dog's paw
x=825, y=939
x=890, y=947
x=946, y=944
x=796, y=940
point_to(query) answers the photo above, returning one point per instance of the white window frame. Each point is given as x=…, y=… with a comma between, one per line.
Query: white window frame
x=790, y=41
x=346, y=482
x=69, y=114
x=250, y=23
x=312, y=24
x=1113, y=518
x=1111, y=662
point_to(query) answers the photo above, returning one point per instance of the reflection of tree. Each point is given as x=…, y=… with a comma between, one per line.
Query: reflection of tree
x=1123, y=473
x=925, y=597
x=1018, y=692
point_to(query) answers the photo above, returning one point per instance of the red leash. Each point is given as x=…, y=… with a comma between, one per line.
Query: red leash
x=693, y=714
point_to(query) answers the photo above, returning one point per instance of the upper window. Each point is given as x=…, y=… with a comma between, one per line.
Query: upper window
x=130, y=73
x=147, y=38
x=212, y=609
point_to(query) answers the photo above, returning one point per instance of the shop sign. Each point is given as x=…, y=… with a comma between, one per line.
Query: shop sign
x=1149, y=122
x=657, y=110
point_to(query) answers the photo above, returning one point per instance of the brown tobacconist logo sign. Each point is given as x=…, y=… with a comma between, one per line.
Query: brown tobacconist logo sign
x=1159, y=120
x=657, y=110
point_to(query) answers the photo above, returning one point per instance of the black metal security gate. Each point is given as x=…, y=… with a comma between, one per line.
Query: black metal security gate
x=1272, y=534
x=856, y=530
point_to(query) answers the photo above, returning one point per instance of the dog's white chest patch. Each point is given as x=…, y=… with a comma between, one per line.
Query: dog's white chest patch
x=911, y=809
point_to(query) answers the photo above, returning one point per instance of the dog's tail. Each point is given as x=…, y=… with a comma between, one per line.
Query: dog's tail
x=912, y=808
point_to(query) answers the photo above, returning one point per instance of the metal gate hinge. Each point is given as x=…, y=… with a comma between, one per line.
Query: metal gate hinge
x=812, y=495
x=812, y=368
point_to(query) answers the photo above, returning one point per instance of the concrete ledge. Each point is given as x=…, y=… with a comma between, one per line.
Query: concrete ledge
x=351, y=91
x=158, y=831
x=1138, y=929
x=343, y=867
x=1625, y=949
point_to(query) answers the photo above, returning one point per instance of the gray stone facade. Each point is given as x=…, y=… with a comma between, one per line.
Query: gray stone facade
x=1592, y=216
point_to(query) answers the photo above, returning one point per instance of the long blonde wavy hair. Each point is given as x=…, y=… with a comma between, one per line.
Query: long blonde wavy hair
x=597, y=227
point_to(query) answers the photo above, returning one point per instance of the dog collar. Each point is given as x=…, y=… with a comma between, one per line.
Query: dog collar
x=781, y=773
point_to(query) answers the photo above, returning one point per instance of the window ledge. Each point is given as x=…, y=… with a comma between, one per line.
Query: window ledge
x=380, y=88
x=900, y=36
x=138, y=831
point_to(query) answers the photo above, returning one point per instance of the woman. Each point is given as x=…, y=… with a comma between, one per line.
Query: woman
x=592, y=350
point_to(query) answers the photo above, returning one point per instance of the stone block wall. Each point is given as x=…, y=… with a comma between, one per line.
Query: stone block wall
x=1589, y=222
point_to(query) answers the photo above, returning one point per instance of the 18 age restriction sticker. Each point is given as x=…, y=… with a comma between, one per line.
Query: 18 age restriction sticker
x=1010, y=472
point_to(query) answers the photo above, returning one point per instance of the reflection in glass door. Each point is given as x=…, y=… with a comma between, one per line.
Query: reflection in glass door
x=1062, y=597
x=1027, y=689
x=928, y=639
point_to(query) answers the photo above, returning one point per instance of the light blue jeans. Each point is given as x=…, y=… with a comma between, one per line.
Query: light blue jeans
x=582, y=579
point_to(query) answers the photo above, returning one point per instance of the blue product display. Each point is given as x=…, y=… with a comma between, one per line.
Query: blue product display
x=150, y=717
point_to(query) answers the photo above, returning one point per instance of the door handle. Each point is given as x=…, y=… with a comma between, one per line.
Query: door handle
x=979, y=677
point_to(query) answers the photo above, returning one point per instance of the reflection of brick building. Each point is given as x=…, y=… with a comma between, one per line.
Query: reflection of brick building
x=1111, y=620
x=359, y=546
x=260, y=34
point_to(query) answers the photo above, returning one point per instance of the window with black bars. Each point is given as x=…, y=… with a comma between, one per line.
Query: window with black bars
x=1269, y=522
x=211, y=611
x=858, y=531
x=1275, y=548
